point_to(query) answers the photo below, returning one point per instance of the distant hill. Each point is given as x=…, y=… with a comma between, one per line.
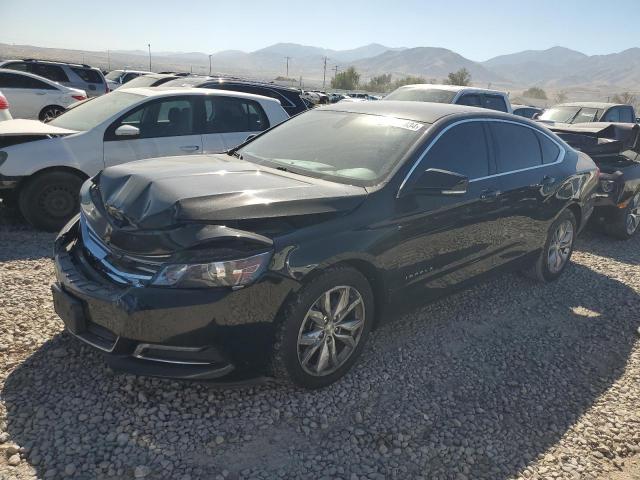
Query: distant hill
x=428, y=62
x=556, y=68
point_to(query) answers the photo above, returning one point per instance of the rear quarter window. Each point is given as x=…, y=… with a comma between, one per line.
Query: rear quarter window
x=88, y=75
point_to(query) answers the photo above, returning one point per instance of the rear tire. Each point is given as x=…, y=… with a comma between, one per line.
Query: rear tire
x=626, y=222
x=49, y=200
x=313, y=349
x=557, y=250
x=50, y=112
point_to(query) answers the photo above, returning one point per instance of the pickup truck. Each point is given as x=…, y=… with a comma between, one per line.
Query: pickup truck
x=615, y=148
x=588, y=112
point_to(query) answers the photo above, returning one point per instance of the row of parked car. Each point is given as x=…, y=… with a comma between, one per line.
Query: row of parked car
x=279, y=250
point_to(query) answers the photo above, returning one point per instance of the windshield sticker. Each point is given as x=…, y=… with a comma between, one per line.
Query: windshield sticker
x=413, y=126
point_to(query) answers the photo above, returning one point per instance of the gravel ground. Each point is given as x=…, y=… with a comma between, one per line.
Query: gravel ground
x=510, y=379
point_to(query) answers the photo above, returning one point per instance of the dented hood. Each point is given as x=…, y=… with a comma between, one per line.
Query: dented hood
x=165, y=192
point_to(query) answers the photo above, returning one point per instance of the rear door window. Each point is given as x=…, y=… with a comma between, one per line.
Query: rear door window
x=470, y=99
x=494, y=102
x=517, y=147
x=52, y=72
x=626, y=115
x=228, y=114
x=461, y=149
x=16, y=80
x=612, y=115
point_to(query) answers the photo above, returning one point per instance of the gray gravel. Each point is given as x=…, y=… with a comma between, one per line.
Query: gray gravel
x=510, y=379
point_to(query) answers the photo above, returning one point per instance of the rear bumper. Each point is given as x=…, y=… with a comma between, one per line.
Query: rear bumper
x=178, y=333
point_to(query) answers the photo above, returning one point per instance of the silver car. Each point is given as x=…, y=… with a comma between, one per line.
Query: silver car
x=74, y=75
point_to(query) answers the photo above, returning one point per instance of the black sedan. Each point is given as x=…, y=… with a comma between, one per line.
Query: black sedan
x=278, y=257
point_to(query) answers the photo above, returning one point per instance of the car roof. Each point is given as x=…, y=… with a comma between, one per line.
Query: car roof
x=128, y=70
x=172, y=91
x=451, y=88
x=160, y=75
x=50, y=62
x=590, y=104
x=425, y=112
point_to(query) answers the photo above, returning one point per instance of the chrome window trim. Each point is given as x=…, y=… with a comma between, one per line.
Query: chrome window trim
x=559, y=159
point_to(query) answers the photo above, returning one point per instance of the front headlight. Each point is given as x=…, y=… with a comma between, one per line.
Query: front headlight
x=228, y=273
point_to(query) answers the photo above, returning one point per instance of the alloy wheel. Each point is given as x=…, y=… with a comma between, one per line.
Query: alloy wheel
x=331, y=330
x=51, y=113
x=560, y=246
x=633, y=216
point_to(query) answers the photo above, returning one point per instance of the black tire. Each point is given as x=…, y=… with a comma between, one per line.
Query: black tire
x=50, y=112
x=49, y=200
x=285, y=362
x=617, y=225
x=540, y=270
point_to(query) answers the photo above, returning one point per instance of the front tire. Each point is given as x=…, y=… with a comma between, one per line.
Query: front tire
x=324, y=329
x=50, y=200
x=557, y=250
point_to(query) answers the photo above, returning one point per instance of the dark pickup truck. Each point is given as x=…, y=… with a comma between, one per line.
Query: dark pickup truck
x=615, y=148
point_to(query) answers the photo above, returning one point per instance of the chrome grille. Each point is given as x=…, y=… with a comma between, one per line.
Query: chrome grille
x=124, y=269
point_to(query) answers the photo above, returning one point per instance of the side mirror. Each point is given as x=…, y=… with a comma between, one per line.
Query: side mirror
x=127, y=131
x=440, y=182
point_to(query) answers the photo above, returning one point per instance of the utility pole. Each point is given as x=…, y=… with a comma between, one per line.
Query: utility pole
x=324, y=74
x=149, y=45
x=288, y=58
x=336, y=70
x=108, y=60
x=210, y=64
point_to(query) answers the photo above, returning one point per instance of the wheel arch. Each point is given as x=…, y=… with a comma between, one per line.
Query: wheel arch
x=577, y=213
x=56, y=168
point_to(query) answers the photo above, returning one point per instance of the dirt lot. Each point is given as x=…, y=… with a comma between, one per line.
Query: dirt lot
x=511, y=379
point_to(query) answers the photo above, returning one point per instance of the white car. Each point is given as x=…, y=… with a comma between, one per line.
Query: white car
x=117, y=78
x=36, y=97
x=459, y=95
x=42, y=166
x=5, y=114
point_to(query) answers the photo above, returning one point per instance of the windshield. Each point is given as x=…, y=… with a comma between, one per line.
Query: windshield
x=91, y=114
x=142, y=81
x=113, y=75
x=421, y=94
x=559, y=114
x=346, y=147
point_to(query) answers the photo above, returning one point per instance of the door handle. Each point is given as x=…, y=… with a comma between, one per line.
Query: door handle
x=489, y=195
x=190, y=148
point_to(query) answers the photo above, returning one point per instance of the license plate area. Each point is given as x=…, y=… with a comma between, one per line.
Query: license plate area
x=70, y=310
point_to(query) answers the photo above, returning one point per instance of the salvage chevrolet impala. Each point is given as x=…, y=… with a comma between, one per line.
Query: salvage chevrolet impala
x=278, y=257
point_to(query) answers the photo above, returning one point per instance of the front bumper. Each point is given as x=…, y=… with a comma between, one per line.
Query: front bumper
x=178, y=333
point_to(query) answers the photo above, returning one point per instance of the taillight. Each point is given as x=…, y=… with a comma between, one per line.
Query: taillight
x=4, y=105
x=79, y=97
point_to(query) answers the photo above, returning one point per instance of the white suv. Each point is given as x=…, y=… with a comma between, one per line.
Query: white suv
x=470, y=96
x=42, y=166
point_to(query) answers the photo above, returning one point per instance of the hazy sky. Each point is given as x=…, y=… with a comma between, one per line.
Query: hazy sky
x=476, y=29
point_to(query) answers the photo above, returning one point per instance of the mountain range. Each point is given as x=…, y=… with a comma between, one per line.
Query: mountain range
x=554, y=68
